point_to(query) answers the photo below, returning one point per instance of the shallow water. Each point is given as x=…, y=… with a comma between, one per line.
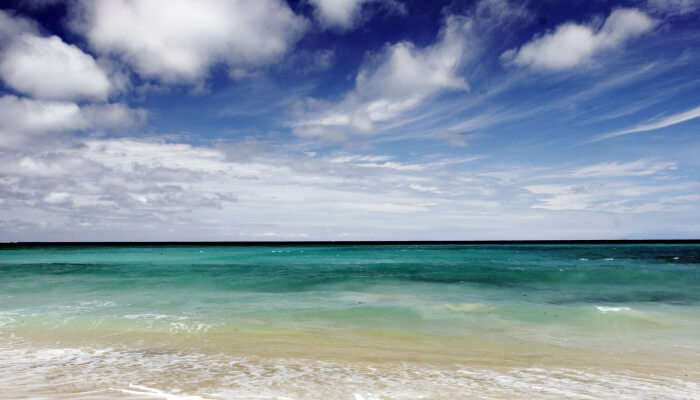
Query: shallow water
x=355, y=322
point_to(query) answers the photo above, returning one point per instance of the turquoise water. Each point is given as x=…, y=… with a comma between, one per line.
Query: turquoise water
x=618, y=306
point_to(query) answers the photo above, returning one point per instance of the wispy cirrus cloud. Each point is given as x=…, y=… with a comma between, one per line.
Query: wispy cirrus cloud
x=665, y=122
x=674, y=7
x=633, y=168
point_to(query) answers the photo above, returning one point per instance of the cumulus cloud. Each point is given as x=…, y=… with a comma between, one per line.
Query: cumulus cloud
x=345, y=14
x=405, y=71
x=22, y=119
x=572, y=44
x=25, y=122
x=12, y=26
x=112, y=116
x=179, y=39
x=48, y=68
x=395, y=80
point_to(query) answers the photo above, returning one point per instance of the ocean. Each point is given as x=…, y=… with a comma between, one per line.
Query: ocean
x=357, y=322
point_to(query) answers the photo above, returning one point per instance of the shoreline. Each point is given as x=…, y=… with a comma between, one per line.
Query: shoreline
x=99, y=373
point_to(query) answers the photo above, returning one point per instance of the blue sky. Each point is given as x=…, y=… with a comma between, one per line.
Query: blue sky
x=349, y=120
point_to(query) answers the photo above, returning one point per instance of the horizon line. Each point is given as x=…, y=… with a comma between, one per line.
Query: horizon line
x=4, y=245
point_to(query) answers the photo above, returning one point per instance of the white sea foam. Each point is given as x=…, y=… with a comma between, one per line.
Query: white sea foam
x=7, y=318
x=196, y=327
x=605, y=309
x=176, y=324
x=146, y=391
x=114, y=373
x=80, y=307
x=468, y=307
x=149, y=317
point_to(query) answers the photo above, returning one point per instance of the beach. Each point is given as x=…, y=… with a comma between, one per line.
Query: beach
x=576, y=321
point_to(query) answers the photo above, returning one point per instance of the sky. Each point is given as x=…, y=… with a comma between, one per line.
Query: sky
x=349, y=120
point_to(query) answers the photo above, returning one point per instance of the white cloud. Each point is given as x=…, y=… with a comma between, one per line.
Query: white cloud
x=420, y=188
x=345, y=14
x=393, y=85
x=48, y=68
x=499, y=14
x=674, y=7
x=606, y=187
x=325, y=133
x=111, y=116
x=27, y=117
x=57, y=197
x=574, y=44
x=372, y=161
x=633, y=168
x=561, y=197
x=338, y=13
x=652, y=126
x=180, y=39
x=26, y=122
x=358, y=158
x=396, y=80
x=404, y=71
x=110, y=183
x=453, y=138
x=612, y=196
x=12, y=25
x=138, y=189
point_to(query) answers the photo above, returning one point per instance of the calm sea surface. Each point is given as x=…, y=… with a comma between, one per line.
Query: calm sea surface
x=351, y=322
